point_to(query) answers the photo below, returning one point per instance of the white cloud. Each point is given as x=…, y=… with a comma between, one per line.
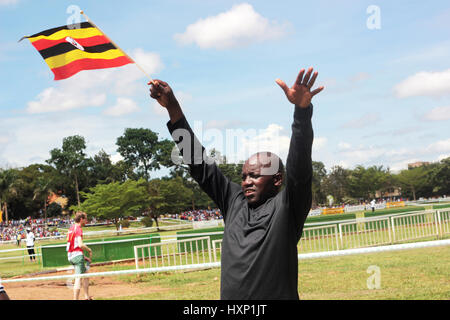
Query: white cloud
x=122, y=106
x=439, y=146
x=438, y=114
x=363, y=155
x=269, y=139
x=223, y=124
x=359, y=77
x=432, y=84
x=8, y=2
x=116, y=158
x=430, y=53
x=362, y=122
x=149, y=61
x=59, y=99
x=319, y=143
x=342, y=146
x=240, y=26
x=90, y=88
x=443, y=156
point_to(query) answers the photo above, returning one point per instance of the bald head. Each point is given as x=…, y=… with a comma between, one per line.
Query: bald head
x=268, y=162
x=262, y=177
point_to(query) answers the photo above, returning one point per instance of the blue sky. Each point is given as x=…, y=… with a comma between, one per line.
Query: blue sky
x=386, y=73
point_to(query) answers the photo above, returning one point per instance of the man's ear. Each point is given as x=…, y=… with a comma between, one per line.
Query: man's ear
x=277, y=179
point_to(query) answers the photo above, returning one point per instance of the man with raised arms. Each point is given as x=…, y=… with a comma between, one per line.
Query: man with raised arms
x=263, y=220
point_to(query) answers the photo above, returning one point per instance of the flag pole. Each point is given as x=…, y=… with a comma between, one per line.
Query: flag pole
x=137, y=65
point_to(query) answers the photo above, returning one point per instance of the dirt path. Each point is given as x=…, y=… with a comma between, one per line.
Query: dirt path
x=99, y=287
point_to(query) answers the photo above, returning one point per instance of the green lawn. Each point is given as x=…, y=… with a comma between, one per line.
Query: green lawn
x=408, y=275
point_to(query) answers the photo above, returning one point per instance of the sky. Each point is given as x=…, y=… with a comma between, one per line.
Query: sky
x=385, y=66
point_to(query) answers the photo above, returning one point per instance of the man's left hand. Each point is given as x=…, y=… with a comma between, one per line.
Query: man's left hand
x=300, y=93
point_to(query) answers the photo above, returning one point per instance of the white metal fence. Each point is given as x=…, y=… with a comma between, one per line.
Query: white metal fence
x=350, y=234
x=444, y=221
x=173, y=253
x=358, y=233
x=365, y=233
x=319, y=239
x=415, y=226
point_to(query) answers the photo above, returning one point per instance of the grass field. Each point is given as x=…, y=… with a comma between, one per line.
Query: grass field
x=407, y=275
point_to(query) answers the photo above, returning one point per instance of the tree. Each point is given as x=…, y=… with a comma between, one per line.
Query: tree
x=54, y=209
x=439, y=177
x=8, y=187
x=336, y=183
x=43, y=186
x=364, y=183
x=115, y=200
x=168, y=196
x=71, y=160
x=318, y=177
x=141, y=149
x=412, y=179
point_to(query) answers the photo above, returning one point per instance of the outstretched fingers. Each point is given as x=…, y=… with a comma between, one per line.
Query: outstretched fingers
x=307, y=76
x=300, y=77
x=313, y=79
x=282, y=85
x=316, y=91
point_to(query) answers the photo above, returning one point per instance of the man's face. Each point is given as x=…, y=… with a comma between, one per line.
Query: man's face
x=257, y=185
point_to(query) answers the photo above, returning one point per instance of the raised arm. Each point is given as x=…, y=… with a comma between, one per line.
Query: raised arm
x=202, y=168
x=299, y=163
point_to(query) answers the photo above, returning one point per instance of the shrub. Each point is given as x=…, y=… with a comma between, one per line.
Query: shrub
x=125, y=223
x=147, y=222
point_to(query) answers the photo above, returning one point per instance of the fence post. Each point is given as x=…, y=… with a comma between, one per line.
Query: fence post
x=209, y=249
x=439, y=225
x=136, y=257
x=337, y=239
x=393, y=229
x=340, y=236
x=389, y=231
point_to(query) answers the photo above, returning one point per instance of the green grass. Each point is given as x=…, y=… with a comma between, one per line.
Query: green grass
x=411, y=274
x=408, y=275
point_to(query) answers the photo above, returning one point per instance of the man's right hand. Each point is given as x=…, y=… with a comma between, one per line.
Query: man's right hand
x=162, y=92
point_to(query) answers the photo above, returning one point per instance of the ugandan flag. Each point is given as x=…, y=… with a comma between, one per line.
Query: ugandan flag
x=67, y=50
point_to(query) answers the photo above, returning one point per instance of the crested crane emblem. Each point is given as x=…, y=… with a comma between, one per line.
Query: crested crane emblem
x=74, y=43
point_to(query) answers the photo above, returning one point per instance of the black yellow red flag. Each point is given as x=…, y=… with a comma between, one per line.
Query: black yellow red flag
x=68, y=50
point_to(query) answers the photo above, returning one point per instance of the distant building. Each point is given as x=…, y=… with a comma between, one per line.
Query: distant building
x=417, y=164
x=393, y=192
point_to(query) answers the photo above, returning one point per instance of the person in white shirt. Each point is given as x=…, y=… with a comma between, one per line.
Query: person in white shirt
x=372, y=205
x=30, y=244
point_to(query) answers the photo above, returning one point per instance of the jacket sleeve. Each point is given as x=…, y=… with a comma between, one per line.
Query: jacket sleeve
x=299, y=167
x=202, y=168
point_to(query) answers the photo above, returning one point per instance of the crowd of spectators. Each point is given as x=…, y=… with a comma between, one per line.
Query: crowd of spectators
x=199, y=215
x=17, y=229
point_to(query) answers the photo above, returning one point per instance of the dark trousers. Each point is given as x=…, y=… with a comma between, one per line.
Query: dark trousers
x=31, y=253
